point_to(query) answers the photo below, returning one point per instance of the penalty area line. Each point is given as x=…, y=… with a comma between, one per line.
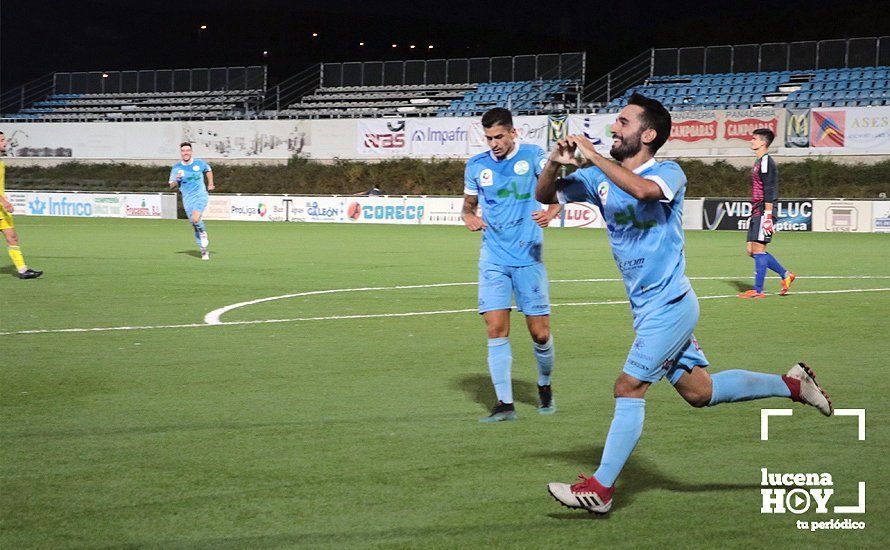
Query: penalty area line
x=387, y=315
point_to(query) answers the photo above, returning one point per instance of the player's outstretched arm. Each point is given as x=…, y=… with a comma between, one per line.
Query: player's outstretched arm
x=471, y=220
x=632, y=184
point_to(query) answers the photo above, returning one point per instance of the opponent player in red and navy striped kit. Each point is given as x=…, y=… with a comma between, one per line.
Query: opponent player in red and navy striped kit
x=764, y=193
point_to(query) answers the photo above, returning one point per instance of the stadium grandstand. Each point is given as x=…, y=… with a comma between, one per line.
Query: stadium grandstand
x=830, y=73
x=219, y=93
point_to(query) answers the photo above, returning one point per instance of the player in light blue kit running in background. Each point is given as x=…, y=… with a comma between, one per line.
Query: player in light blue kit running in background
x=642, y=204
x=510, y=261
x=188, y=175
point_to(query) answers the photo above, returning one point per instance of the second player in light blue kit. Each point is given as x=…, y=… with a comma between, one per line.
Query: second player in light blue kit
x=188, y=175
x=502, y=180
x=642, y=205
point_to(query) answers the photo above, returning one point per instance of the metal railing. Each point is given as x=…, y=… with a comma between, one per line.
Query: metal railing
x=455, y=71
x=291, y=90
x=618, y=80
x=161, y=80
x=775, y=56
x=16, y=99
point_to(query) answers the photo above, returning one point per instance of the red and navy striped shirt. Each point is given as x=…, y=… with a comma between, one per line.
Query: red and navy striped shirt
x=764, y=184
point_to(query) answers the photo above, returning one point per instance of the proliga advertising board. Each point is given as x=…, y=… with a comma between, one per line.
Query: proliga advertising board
x=734, y=214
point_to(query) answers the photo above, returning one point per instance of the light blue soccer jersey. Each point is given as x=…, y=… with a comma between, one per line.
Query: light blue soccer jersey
x=191, y=183
x=506, y=190
x=646, y=236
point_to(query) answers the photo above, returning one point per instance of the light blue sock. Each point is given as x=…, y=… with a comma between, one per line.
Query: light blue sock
x=627, y=426
x=500, y=357
x=760, y=261
x=730, y=386
x=773, y=264
x=544, y=355
x=199, y=228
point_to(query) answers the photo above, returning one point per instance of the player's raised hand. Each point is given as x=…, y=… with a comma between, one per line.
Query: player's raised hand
x=582, y=144
x=473, y=222
x=563, y=153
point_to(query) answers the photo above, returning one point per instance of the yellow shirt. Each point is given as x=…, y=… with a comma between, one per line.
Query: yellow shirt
x=2, y=177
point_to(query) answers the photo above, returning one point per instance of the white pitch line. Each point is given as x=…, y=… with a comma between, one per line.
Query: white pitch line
x=213, y=318
x=384, y=315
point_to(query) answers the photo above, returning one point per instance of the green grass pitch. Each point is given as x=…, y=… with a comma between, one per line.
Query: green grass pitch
x=362, y=431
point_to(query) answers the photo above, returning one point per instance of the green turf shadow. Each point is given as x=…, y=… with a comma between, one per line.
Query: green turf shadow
x=479, y=389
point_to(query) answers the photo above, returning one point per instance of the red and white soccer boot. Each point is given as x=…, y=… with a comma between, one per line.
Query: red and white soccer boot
x=801, y=380
x=588, y=494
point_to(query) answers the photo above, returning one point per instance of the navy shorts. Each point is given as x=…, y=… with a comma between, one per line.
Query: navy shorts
x=755, y=231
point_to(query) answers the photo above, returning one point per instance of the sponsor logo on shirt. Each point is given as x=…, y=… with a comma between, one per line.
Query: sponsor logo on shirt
x=629, y=265
x=513, y=190
x=486, y=178
x=603, y=191
x=630, y=218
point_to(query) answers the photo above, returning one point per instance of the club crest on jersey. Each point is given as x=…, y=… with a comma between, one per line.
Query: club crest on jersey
x=521, y=168
x=196, y=168
x=603, y=191
x=486, y=177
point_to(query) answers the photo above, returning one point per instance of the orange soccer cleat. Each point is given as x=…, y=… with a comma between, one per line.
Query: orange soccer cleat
x=786, y=282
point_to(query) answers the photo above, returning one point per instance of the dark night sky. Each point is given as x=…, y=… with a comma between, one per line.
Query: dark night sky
x=39, y=37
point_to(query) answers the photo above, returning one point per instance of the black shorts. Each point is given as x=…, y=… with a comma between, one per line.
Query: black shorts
x=755, y=231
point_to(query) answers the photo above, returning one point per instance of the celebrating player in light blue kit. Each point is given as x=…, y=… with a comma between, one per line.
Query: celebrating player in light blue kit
x=189, y=176
x=642, y=204
x=510, y=262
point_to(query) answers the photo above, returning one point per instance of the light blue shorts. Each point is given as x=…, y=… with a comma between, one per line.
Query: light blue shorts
x=665, y=345
x=498, y=284
x=190, y=204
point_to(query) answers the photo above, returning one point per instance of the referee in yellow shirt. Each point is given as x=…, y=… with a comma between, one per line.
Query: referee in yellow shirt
x=8, y=227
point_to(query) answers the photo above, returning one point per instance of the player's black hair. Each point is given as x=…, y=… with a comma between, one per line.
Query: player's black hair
x=654, y=117
x=767, y=135
x=184, y=143
x=497, y=117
